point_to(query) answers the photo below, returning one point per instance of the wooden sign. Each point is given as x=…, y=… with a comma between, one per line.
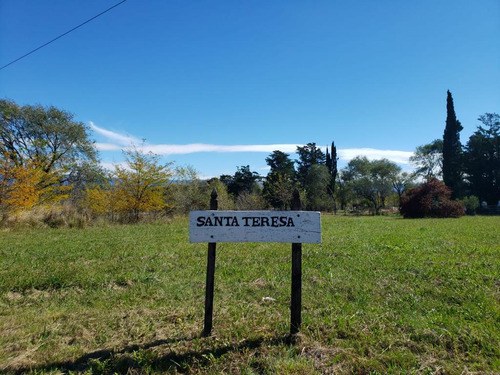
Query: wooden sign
x=255, y=226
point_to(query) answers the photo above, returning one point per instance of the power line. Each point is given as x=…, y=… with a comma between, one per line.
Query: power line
x=60, y=36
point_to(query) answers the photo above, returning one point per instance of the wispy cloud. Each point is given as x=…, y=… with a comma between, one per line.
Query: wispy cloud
x=119, y=141
x=108, y=147
x=401, y=157
x=202, y=147
x=124, y=140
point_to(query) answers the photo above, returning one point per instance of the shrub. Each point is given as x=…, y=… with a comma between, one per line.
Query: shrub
x=431, y=199
x=249, y=201
x=471, y=204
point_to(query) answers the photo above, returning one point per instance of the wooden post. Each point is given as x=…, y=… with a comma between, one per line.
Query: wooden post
x=209, y=291
x=296, y=297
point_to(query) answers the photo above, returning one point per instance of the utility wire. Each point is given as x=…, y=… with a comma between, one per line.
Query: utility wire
x=60, y=36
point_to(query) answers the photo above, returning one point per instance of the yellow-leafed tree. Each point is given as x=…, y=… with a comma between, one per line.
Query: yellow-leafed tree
x=141, y=186
x=24, y=186
x=99, y=199
x=18, y=185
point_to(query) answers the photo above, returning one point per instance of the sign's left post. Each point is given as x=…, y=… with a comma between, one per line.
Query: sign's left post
x=209, y=292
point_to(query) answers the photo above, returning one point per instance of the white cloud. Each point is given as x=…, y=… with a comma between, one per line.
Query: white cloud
x=107, y=147
x=113, y=136
x=400, y=157
x=202, y=147
x=120, y=141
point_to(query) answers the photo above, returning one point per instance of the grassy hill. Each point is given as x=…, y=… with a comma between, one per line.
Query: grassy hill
x=380, y=295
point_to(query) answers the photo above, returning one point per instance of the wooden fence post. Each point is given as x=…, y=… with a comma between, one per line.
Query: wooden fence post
x=209, y=291
x=296, y=297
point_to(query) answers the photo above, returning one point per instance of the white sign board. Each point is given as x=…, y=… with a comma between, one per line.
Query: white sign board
x=255, y=226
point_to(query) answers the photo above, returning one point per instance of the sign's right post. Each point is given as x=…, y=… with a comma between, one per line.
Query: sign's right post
x=296, y=297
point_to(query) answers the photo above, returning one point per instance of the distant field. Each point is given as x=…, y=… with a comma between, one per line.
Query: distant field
x=380, y=295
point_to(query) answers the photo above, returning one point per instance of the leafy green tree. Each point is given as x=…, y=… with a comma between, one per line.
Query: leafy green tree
x=280, y=163
x=317, y=180
x=225, y=201
x=243, y=180
x=45, y=136
x=482, y=161
x=452, y=150
x=343, y=193
x=279, y=184
x=372, y=180
x=309, y=155
x=186, y=191
x=402, y=182
x=85, y=175
x=278, y=191
x=428, y=159
x=313, y=180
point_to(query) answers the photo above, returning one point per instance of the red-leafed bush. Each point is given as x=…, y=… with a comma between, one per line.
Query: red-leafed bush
x=431, y=199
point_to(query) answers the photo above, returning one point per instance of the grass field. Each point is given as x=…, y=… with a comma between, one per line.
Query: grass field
x=380, y=295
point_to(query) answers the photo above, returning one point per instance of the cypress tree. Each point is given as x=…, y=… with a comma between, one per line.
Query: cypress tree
x=452, y=150
x=334, y=170
x=328, y=162
x=331, y=164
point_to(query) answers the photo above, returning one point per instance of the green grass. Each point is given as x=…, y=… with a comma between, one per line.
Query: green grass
x=380, y=295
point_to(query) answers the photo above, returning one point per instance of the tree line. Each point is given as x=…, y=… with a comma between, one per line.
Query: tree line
x=49, y=160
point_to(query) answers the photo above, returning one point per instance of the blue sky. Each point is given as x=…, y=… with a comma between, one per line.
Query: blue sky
x=221, y=84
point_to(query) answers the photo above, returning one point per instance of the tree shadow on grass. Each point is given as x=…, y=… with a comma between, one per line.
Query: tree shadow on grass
x=136, y=358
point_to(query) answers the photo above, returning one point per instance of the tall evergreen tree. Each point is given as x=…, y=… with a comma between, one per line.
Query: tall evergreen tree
x=328, y=159
x=331, y=164
x=452, y=150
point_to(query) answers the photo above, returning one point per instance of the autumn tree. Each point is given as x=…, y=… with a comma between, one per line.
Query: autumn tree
x=25, y=186
x=18, y=185
x=102, y=199
x=141, y=186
